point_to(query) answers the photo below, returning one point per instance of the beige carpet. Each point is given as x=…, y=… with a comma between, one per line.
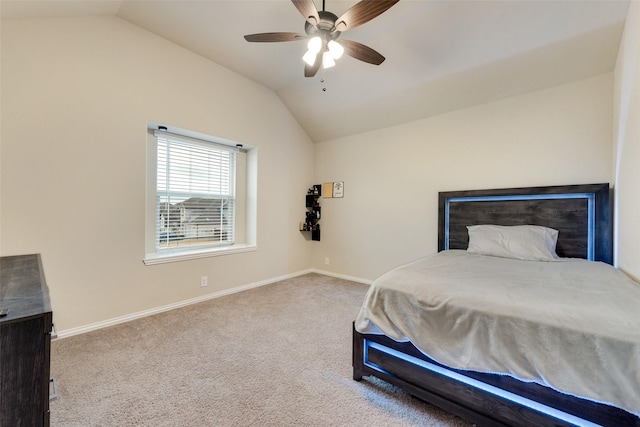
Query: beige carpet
x=278, y=355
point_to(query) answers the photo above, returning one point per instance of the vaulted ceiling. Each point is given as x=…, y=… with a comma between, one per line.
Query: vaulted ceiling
x=440, y=55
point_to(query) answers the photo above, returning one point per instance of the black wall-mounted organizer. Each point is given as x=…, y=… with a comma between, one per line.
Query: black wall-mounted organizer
x=311, y=222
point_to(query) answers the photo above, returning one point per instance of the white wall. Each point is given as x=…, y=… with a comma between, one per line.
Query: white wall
x=76, y=97
x=388, y=215
x=627, y=146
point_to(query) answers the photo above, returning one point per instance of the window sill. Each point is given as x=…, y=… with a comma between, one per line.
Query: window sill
x=162, y=258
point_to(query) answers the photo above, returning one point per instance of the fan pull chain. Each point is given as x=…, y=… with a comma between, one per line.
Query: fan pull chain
x=324, y=87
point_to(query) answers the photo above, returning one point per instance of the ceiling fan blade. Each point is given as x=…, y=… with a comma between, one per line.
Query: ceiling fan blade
x=361, y=52
x=274, y=37
x=308, y=9
x=362, y=12
x=311, y=70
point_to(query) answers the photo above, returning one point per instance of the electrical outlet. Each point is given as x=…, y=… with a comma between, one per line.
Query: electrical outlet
x=203, y=281
x=326, y=260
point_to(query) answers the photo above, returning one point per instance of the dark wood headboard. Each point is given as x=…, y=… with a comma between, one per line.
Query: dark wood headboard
x=581, y=214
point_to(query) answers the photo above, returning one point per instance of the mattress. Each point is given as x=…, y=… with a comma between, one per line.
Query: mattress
x=572, y=325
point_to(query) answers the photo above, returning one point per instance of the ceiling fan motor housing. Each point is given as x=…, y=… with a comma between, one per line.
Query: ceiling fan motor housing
x=325, y=28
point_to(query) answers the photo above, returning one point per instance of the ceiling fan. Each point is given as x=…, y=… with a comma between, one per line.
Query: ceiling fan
x=323, y=28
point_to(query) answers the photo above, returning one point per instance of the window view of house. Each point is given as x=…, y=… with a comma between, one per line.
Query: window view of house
x=195, y=220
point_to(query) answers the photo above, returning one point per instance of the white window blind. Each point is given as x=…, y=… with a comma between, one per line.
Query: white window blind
x=195, y=192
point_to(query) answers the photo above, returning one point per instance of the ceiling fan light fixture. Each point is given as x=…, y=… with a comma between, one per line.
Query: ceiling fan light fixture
x=336, y=49
x=327, y=60
x=315, y=44
x=310, y=57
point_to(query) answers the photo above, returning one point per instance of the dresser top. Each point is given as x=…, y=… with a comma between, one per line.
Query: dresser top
x=23, y=289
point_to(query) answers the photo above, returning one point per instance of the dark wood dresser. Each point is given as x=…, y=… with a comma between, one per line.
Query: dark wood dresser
x=25, y=342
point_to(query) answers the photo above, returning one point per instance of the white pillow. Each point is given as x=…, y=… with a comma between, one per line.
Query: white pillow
x=526, y=242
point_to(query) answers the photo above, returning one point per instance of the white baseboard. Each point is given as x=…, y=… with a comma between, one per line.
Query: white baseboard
x=122, y=319
x=342, y=276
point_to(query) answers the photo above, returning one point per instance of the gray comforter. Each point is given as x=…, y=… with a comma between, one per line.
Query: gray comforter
x=572, y=325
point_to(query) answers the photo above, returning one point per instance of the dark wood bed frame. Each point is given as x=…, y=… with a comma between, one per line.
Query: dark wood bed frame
x=582, y=215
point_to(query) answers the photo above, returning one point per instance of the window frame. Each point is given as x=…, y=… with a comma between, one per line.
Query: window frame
x=244, y=208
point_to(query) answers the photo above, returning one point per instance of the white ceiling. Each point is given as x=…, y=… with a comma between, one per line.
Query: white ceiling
x=440, y=55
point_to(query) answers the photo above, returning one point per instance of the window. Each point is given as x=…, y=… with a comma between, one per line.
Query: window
x=193, y=208
x=195, y=192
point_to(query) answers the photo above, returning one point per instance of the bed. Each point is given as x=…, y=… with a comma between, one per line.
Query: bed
x=582, y=216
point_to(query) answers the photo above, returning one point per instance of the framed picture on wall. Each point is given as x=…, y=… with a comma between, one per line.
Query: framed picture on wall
x=327, y=190
x=338, y=189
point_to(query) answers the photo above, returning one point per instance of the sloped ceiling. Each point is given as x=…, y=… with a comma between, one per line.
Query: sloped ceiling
x=440, y=55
